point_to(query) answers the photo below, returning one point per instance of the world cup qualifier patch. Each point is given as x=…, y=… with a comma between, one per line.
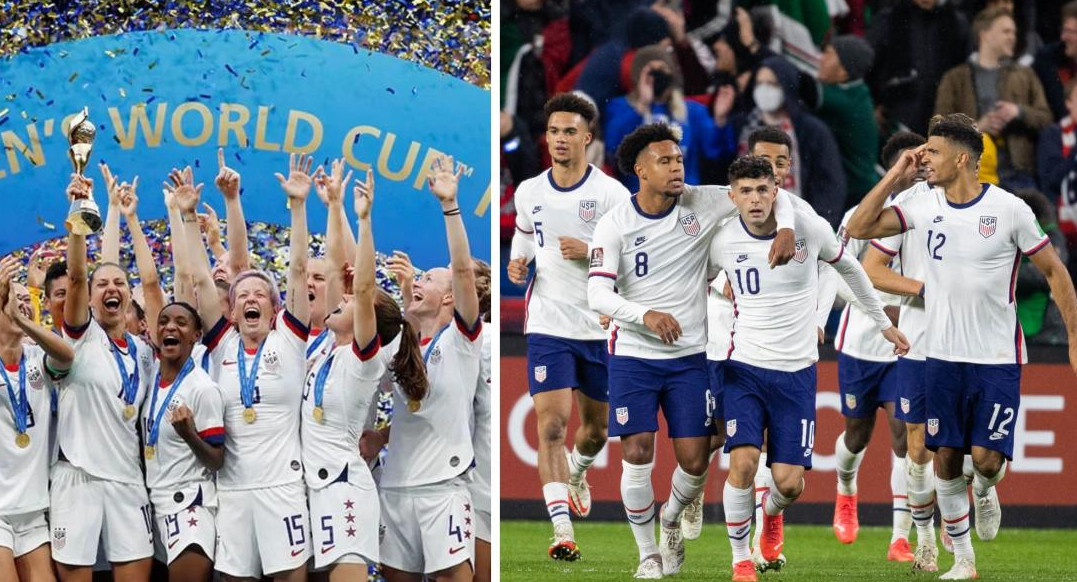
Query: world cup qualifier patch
x=596, y=257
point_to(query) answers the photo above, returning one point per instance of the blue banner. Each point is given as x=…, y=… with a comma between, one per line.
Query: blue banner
x=170, y=98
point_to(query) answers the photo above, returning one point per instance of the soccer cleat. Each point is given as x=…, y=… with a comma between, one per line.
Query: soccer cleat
x=988, y=515
x=692, y=518
x=900, y=551
x=770, y=545
x=744, y=571
x=762, y=565
x=926, y=558
x=846, y=523
x=671, y=546
x=579, y=493
x=650, y=568
x=564, y=546
x=964, y=569
x=947, y=541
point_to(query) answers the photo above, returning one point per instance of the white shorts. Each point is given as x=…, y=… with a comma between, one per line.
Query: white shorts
x=482, y=526
x=428, y=528
x=344, y=520
x=196, y=525
x=22, y=533
x=262, y=531
x=85, y=510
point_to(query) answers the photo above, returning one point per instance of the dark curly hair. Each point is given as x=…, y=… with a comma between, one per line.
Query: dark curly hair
x=897, y=143
x=751, y=167
x=770, y=134
x=638, y=140
x=960, y=129
x=570, y=103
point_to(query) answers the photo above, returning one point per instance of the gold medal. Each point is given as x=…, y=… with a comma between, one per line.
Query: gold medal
x=129, y=412
x=414, y=405
x=22, y=440
x=151, y=452
x=249, y=415
x=319, y=414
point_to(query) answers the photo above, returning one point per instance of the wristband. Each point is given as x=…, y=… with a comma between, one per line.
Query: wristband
x=451, y=211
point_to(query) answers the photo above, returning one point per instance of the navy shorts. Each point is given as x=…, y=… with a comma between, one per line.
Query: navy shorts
x=912, y=402
x=972, y=405
x=555, y=363
x=638, y=387
x=865, y=385
x=783, y=403
x=716, y=372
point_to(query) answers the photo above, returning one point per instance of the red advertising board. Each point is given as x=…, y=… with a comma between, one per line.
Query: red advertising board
x=1042, y=472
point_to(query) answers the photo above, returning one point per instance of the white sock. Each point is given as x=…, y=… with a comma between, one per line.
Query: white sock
x=967, y=469
x=981, y=484
x=848, y=466
x=899, y=488
x=577, y=464
x=954, y=504
x=737, y=504
x=556, y=495
x=776, y=502
x=637, y=494
x=684, y=489
x=921, y=490
x=763, y=481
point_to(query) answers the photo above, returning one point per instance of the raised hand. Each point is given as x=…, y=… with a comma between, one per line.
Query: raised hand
x=79, y=188
x=9, y=268
x=297, y=184
x=185, y=193
x=128, y=202
x=38, y=267
x=400, y=266
x=227, y=180
x=334, y=182
x=443, y=182
x=364, y=195
x=111, y=185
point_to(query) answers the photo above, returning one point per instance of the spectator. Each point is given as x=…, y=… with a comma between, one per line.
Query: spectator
x=519, y=161
x=1024, y=15
x=658, y=97
x=720, y=151
x=739, y=52
x=1058, y=168
x=534, y=54
x=816, y=175
x=915, y=43
x=1005, y=97
x=1056, y=63
x=1039, y=317
x=846, y=107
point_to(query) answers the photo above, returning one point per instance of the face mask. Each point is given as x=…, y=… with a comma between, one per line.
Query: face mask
x=662, y=82
x=768, y=98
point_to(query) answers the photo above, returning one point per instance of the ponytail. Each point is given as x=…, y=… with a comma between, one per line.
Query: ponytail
x=408, y=367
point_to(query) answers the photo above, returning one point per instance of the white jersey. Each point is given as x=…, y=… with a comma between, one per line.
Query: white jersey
x=775, y=325
x=480, y=432
x=24, y=472
x=92, y=431
x=174, y=466
x=557, y=298
x=264, y=453
x=911, y=264
x=973, y=253
x=433, y=444
x=719, y=320
x=349, y=403
x=858, y=336
x=319, y=344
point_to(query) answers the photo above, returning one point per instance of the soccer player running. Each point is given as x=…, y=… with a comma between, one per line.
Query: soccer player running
x=976, y=234
x=556, y=216
x=654, y=250
x=29, y=372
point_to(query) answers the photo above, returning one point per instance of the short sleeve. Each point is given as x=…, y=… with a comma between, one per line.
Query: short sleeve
x=890, y=245
x=1027, y=234
x=364, y=362
x=912, y=209
x=605, y=250
x=294, y=334
x=209, y=413
x=88, y=332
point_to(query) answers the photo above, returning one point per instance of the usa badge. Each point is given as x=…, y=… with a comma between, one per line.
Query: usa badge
x=987, y=226
x=932, y=426
x=801, y=253
x=905, y=405
x=588, y=208
x=59, y=538
x=622, y=415
x=850, y=400
x=690, y=224
x=540, y=374
x=731, y=427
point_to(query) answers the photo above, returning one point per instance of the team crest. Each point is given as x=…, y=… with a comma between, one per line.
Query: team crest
x=173, y=404
x=850, y=400
x=59, y=538
x=272, y=361
x=690, y=224
x=540, y=374
x=435, y=356
x=987, y=226
x=801, y=253
x=36, y=378
x=588, y=208
x=731, y=428
x=843, y=235
x=932, y=426
x=622, y=415
x=905, y=405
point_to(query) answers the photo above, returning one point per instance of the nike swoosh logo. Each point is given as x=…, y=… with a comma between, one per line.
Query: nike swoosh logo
x=326, y=550
x=297, y=552
x=228, y=363
x=995, y=437
x=741, y=259
x=454, y=550
x=172, y=543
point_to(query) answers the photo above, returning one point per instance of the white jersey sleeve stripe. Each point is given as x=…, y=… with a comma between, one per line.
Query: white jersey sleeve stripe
x=76, y=332
x=901, y=218
x=471, y=332
x=295, y=326
x=841, y=252
x=215, y=334
x=1043, y=243
x=369, y=351
x=883, y=248
x=213, y=435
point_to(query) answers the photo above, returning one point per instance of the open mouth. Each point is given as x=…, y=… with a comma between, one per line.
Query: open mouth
x=251, y=315
x=170, y=341
x=310, y=296
x=112, y=304
x=416, y=296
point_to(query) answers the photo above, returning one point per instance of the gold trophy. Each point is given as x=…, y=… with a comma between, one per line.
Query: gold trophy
x=83, y=217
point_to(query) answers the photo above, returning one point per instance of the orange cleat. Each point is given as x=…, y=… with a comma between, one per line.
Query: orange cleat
x=770, y=544
x=564, y=545
x=744, y=571
x=846, y=522
x=900, y=551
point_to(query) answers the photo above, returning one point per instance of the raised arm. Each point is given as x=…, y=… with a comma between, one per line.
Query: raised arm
x=110, y=234
x=338, y=242
x=227, y=182
x=366, y=325
x=871, y=219
x=443, y=183
x=186, y=196
x=147, y=266
x=182, y=283
x=60, y=353
x=297, y=187
x=211, y=228
x=77, y=304
x=345, y=226
x=1047, y=261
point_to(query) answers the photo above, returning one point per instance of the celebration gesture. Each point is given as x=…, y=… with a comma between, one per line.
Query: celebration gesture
x=79, y=188
x=364, y=196
x=400, y=266
x=443, y=181
x=330, y=187
x=297, y=184
x=184, y=192
x=128, y=199
x=39, y=265
x=227, y=180
x=182, y=420
x=111, y=185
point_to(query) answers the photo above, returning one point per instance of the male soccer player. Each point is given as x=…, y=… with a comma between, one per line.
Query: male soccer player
x=770, y=378
x=556, y=215
x=976, y=235
x=655, y=251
